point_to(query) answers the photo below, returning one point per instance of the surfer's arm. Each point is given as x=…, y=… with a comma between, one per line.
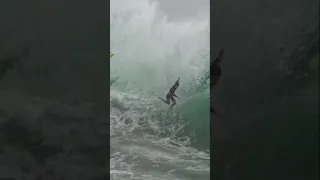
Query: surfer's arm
x=177, y=80
x=175, y=96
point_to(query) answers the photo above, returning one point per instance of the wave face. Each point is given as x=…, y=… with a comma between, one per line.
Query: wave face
x=149, y=140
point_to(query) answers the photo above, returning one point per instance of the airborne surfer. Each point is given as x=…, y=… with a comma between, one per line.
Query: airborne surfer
x=215, y=73
x=171, y=95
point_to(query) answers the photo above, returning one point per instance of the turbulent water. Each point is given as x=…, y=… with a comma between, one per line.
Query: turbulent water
x=149, y=140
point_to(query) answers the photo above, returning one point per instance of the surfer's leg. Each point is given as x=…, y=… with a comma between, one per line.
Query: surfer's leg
x=173, y=101
x=165, y=101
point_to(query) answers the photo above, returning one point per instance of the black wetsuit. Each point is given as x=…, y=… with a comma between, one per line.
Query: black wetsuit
x=172, y=90
x=171, y=95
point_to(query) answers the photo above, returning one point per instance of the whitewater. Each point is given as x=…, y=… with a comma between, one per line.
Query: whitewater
x=147, y=139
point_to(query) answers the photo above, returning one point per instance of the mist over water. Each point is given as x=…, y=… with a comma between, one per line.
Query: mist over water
x=149, y=140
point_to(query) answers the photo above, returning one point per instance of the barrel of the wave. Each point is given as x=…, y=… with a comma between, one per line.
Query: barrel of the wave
x=111, y=54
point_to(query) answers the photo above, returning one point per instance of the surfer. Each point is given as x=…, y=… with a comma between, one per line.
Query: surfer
x=215, y=72
x=171, y=95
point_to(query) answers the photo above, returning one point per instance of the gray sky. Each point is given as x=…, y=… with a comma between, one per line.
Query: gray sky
x=177, y=9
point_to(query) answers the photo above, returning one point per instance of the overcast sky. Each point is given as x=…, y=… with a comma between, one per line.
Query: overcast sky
x=183, y=8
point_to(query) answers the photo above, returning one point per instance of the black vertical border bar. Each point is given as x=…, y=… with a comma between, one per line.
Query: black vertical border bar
x=212, y=160
x=217, y=145
x=210, y=44
x=108, y=78
x=287, y=164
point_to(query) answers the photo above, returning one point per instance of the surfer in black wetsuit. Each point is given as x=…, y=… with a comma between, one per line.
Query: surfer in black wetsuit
x=171, y=95
x=215, y=72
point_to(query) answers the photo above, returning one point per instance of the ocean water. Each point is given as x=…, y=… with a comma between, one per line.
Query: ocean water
x=148, y=139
